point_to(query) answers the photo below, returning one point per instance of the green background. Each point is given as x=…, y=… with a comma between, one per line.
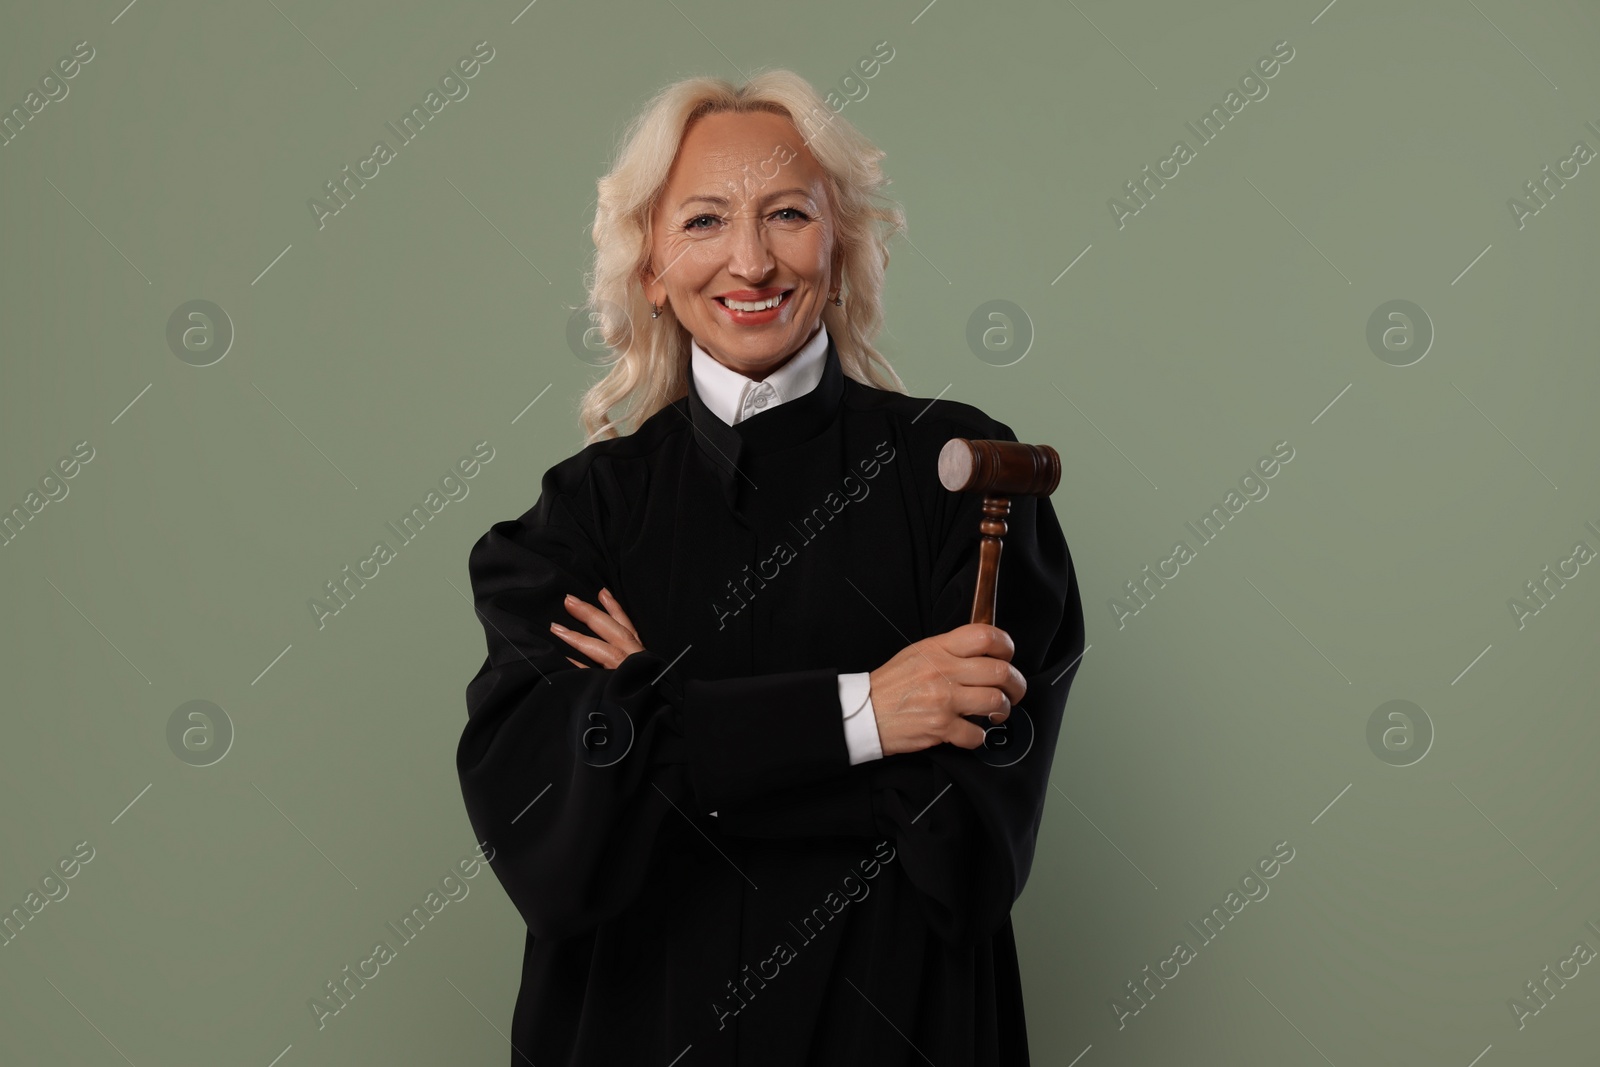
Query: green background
x=1228, y=315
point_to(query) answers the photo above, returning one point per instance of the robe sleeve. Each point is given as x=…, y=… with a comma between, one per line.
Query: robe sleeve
x=570, y=773
x=964, y=822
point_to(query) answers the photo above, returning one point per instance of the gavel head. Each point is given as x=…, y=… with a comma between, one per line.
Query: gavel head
x=999, y=468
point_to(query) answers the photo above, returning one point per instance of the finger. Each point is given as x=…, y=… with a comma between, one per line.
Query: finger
x=1000, y=644
x=615, y=608
x=979, y=639
x=1015, y=683
x=984, y=700
x=575, y=663
x=595, y=649
x=604, y=626
x=1003, y=675
x=988, y=671
x=964, y=734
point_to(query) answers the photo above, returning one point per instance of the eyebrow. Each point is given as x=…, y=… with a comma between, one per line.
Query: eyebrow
x=722, y=201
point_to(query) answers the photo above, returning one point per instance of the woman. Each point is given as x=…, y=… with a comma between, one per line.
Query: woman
x=741, y=809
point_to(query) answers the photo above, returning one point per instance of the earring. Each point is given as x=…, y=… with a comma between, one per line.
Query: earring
x=837, y=300
x=655, y=312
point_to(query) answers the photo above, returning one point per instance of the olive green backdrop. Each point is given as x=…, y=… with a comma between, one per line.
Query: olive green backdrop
x=235, y=455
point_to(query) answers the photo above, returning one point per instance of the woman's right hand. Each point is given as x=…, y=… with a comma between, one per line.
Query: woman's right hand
x=920, y=695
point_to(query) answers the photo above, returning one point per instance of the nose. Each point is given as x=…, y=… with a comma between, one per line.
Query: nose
x=748, y=257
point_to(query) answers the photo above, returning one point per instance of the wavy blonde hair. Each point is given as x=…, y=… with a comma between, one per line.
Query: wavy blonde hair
x=652, y=367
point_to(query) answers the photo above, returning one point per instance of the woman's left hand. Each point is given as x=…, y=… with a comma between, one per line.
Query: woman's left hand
x=617, y=638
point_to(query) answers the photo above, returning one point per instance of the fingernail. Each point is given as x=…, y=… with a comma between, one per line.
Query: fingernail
x=558, y=627
x=569, y=598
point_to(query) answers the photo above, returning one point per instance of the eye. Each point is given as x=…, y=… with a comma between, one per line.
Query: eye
x=798, y=215
x=690, y=225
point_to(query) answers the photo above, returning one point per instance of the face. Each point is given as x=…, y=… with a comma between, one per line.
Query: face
x=744, y=219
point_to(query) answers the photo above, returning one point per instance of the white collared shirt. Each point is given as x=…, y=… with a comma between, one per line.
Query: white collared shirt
x=734, y=398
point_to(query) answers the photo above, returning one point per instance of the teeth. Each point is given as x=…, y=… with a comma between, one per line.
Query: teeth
x=755, y=305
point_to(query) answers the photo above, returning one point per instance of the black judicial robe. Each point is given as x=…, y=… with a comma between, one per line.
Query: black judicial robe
x=826, y=913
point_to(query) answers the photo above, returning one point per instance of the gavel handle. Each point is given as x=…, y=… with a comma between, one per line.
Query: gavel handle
x=991, y=530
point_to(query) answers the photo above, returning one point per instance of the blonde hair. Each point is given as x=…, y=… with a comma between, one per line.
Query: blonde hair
x=652, y=369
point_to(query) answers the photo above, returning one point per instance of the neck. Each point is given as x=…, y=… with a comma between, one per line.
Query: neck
x=761, y=375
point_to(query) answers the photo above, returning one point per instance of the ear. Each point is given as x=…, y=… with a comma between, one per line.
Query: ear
x=654, y=290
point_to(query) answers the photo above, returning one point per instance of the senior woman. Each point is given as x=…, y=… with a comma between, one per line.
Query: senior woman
x=726, y=740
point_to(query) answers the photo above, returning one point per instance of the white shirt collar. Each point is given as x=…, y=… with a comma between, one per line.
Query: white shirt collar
x=734, y=398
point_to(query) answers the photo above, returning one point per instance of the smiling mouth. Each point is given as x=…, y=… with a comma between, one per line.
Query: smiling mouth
x=755, y=305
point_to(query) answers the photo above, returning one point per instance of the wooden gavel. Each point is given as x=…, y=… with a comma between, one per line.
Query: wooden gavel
x=999, y=470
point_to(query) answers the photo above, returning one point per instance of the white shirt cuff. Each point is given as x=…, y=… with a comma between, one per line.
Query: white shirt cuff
x=860, y=721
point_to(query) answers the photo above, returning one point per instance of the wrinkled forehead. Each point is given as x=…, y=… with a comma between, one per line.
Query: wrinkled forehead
x=741, y=156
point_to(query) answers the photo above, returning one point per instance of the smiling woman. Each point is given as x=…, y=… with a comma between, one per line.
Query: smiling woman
x=705, y=240
x=738, y=275
x=711, y=172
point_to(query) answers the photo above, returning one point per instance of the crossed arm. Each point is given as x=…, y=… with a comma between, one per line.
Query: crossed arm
x=918, y=697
